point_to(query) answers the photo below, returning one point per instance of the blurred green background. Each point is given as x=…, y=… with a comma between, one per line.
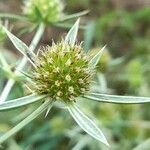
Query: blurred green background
x=124, y=69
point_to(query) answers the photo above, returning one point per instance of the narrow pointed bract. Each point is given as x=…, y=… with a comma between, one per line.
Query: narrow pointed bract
x=21, y=46
x=72, y=34
x=117, y=99
x=96, y=58
x=87, y=124
x=15, y=103
x=75, y=15
x=27, y=120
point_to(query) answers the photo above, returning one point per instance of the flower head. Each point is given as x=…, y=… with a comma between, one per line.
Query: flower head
x=62, y=71
x=46, y=11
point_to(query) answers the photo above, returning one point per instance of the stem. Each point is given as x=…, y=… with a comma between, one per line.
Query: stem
x=27, y=120
x=32, y=46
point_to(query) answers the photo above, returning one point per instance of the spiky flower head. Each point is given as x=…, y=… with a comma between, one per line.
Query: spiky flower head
x=62, y=71
x=47, y=11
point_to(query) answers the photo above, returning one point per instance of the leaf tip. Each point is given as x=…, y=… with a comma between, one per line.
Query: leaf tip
x=106, y=143
x=87, y=11
x=78, y=21
x=103, y=48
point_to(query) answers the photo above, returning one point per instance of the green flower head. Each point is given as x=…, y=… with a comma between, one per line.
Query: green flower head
x=62, y=71
x=46, y=11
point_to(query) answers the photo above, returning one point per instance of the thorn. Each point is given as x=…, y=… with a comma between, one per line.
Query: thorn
x=48, y=109
x=102, y=49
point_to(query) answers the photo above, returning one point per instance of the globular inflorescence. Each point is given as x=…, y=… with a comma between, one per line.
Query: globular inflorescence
x=62, y=71
x=47, y=11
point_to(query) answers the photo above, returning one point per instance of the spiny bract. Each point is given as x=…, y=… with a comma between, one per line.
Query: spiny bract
x=43, y=10
x=62, y=71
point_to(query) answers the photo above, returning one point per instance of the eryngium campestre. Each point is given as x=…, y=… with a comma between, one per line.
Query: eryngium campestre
x=47, y=11
x=62, y=71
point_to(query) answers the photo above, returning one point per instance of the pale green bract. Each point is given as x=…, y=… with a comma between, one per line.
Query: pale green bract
x=22, y=47
x=96, y=58
x=18, y=127
x=117, y=99
x=76, y=15
x=15, y=103
x=87, y=124
x=72, y=34
x=21, y=65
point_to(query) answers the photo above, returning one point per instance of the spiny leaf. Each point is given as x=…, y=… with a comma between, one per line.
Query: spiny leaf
x=87, y=124
x=96, y=58
x=11, y=104
x=76, y=15
x=12, y=16
x=72, y=34
x=27, y=120
x=20, y=46
x=117, y=99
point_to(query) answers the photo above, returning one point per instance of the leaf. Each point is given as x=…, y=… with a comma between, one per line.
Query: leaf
x=117, y=99
x=93, y=62
x=87, y=124
x=12, y=16
x=20, y=101
x=20, y=46
x=27, y=120
x=76, y=15
x=23, y=62
x=72, y=34
x=67, y=25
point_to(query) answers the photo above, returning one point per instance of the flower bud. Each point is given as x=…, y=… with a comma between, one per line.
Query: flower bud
x=47, y=11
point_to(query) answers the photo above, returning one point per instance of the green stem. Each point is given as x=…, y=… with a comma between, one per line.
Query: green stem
x=27, y=120
x=32, y=46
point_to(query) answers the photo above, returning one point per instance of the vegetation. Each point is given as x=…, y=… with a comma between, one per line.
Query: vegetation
x=106, y=75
